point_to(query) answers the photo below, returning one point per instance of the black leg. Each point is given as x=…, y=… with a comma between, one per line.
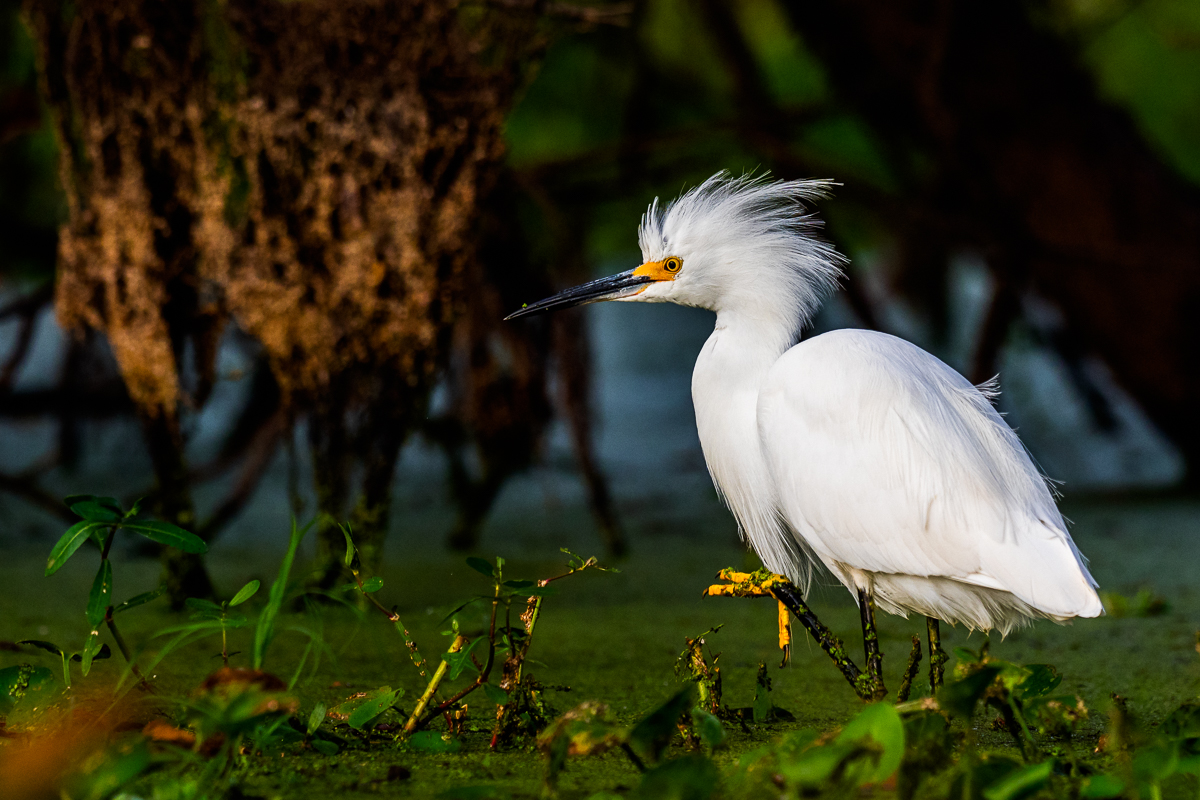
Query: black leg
x=867, y=685
x=937, y=656
x=874, y=667
x=910, y=671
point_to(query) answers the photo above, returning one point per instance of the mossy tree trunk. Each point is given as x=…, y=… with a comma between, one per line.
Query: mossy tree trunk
x=306, y=172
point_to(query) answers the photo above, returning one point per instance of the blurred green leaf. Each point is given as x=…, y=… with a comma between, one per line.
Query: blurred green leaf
x=495, y=694
x=652, y=734
x=97, y=510
x=66, y=546
x=100, y=597
x=708, y=728
x=462, y=659
x=92, y=651
x=204, y=609
x=245, y=593
x=1101, y=787
x=880, y=722
x=690, y=777
x=351, y=551
x=265, y=632
x=372, y=706
x=22, y=681
x=324, y=747
x=141, y=599
x=315, y=718
x=372, y=584
x=118, y=767
x=481, y=566
x=168, y=534
x=1020, y=782
x=41, y=644
x=960, y=697
x=1042, y=680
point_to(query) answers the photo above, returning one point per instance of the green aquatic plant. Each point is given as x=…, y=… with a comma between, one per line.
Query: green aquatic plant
x=100, y=520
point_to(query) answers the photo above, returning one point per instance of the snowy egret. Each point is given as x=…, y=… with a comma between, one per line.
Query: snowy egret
x=854, y=450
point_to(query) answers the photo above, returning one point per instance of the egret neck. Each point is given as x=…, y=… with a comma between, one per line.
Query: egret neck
x=726, y=381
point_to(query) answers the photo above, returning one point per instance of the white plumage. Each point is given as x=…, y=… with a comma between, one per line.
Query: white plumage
x=854, y=449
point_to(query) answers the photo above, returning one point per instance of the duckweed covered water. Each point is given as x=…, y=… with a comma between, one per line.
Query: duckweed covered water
x=614, y=638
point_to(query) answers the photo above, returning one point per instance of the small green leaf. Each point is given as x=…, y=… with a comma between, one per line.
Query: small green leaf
x=21, y=682
x=90, y=649
x=43, y=645
x=462, y=659
x=236, y=620
x=692, y=776
x=481, y=566
x=265, y=632
x=245, y=593
x=1101, y=787
x=966, y=655
x=652, y=734
x=960, y=697
x=881, y=722
x=324, y=747
x=522, y=584
x=135, y=509
x=140, y=599
x=99, y=655
x=71, y=541
x=205, y=609
x=96, y=512
x=708, y=728
x=1042, y=679
x=495, y=694
x=119, y=768
x=168, y=534
x=100, y=598
x=372, y=706
x=372, y=584
x=315, y=718
x=351, y=551
x=1020, y=782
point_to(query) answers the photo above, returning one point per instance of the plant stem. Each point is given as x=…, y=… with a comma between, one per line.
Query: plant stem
x=124, y=648
x=434, y=682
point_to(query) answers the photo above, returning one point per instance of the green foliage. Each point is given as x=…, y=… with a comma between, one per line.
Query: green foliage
x=1144, y=604
x=24, y=685
x=265, y=631
x=364, y=710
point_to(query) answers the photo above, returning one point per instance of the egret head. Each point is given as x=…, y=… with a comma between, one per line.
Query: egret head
x=743, y=246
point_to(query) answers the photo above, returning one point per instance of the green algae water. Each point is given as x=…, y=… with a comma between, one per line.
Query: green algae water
x=614, y=638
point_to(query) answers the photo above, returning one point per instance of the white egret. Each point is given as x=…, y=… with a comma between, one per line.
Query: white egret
x=854, y=450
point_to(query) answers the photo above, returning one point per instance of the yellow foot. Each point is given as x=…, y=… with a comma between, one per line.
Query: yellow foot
x=755, y=584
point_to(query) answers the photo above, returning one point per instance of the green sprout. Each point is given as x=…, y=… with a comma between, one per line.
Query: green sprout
x=101, y=518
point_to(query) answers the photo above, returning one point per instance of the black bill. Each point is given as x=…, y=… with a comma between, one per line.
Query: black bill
x=613, y=287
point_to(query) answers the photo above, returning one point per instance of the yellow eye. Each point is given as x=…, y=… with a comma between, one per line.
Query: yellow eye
x=672, y=265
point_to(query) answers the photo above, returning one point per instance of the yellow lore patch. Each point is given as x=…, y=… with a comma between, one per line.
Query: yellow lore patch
x=664, y=270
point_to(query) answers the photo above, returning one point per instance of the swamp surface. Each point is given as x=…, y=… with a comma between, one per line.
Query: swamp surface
x=614, y=638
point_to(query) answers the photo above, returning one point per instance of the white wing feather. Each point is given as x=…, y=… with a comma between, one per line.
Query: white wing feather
x=887, y=461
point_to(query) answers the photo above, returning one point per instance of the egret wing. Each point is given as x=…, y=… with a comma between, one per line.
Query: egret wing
x=888, y=461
